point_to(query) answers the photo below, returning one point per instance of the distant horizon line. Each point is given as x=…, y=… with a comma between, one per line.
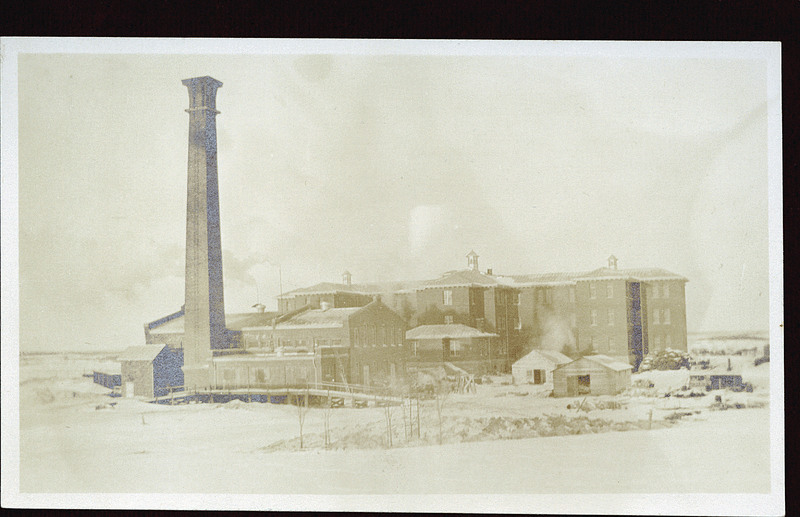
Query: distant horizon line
x=723, y=334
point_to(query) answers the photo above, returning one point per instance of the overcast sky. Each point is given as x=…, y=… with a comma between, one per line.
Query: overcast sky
x=392, y=167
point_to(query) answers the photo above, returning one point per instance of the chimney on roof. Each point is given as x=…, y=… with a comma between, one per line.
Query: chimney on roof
x=489, y=271
x=260, y=307
x=612, y=262
x=472, y=260
x=325, y=306
x=347, y=278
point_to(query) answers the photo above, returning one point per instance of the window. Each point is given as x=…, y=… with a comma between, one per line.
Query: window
x=549, y=295
x=518, y=326
x=611, y=344
x=592, y=291
x=609, y=290
x=573, y=320
x=665, y=291
x=667, y=317
x=655, y=291
x=610, y=316
x=659, y=342
x=655, y=317
x=448, y=320
x=591, y=342
x=668, y=340
x=519, y=298
x=594, y=316
x=414, y=343
x=540, y=295
x=448, y=297
x=571, y=295
x=455, y=348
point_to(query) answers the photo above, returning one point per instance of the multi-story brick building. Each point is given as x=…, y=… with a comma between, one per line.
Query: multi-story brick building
x=623, y=313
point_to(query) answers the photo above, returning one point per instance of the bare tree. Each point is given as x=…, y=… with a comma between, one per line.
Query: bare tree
x=441, y=392
x=302, y=410
x=326, y=420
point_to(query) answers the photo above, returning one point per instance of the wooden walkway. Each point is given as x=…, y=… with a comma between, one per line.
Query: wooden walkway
x=318, y=395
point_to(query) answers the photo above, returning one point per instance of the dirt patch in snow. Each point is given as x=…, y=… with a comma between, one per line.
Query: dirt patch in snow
x=467, y=429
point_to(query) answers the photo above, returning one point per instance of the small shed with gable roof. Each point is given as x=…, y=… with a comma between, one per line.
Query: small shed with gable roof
x=537, y=367
x=591, y=375
x=147, y=370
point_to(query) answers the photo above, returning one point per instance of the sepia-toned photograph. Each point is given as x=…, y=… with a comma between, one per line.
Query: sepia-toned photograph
x=456, y=276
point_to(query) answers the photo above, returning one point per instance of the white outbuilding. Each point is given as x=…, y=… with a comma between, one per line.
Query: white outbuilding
x=537, y=367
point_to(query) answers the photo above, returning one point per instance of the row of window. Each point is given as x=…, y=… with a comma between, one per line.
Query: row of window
x=660, y=317
x=378, y=335
x=458, y=349
x=500, y=298
x=603, y=345
x=658, y=290
x=593, y=291
x=269, y=374
x=610, y=317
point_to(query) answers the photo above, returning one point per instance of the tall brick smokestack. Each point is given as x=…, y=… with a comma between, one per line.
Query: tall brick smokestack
x=205, y=305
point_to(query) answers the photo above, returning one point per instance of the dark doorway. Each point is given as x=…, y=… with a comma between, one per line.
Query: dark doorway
x=584, y=385
x=578, y=385
x=538, y=377
x=445, y=349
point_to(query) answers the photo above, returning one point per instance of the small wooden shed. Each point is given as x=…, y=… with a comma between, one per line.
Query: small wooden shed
x=537, y=367
x=147, y=370
x=591, y=375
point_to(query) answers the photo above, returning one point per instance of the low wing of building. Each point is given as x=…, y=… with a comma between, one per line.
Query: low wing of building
x=466, y=347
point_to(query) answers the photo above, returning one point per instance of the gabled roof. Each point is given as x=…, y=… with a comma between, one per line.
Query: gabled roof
x=465, y=277
x=365, y=289
x=547, y=278
x=552, y=356
x=609, y=362
x=633, y=274
x=141, y=353
x=451, y=331
x=469, y=278
x=318, y=318
x=249, y=319
x=233, y=321
x=324, y=288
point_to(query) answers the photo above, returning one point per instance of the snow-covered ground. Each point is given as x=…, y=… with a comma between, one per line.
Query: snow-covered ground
x=503, y=439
